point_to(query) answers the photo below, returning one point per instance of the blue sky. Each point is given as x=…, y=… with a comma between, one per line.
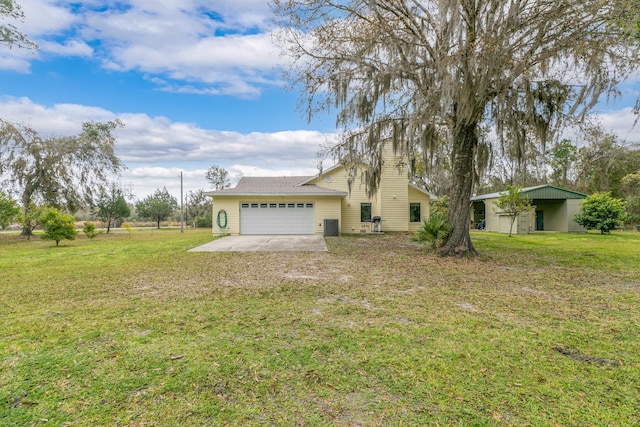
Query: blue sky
x=196, y=83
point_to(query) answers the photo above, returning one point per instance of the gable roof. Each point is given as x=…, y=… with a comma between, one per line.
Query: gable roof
x=332, y=168
x=275, y=186
x=546, y=191
x=422, y=190
x=308, y=179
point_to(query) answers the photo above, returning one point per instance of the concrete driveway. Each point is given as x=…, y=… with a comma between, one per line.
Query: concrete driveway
x=270, y=243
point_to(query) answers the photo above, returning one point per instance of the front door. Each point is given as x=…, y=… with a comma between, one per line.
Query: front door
x=539, y=221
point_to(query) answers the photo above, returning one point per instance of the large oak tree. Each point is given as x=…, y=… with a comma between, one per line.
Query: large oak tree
x=65, y=172
x=423, y=73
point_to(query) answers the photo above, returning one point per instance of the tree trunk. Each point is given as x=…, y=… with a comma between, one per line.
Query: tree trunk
x=464, y=145
x=108, y=226
x=158, y=224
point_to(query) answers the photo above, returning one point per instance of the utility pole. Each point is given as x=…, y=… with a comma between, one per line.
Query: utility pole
x=181, y=206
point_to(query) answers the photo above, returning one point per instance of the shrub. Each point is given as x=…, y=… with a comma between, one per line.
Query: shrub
x=601, y=212
x=434, y=231
x=57, y=226
x=128, y=227
x=90, y=230
x=204, y=221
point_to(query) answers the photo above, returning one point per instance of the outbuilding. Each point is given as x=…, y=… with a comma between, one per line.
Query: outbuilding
x=553, y=209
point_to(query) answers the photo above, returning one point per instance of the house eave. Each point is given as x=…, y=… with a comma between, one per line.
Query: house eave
x=280, y=194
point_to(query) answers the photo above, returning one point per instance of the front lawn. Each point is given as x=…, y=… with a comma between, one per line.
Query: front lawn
x=130, y=329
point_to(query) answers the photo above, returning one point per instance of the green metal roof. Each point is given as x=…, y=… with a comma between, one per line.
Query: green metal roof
x=541, y=192
x=549, y=192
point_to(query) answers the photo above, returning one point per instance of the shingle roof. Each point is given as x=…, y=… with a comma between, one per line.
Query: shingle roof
x=275, y=186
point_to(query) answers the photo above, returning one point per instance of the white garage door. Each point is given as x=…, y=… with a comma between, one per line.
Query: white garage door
x=276, y=218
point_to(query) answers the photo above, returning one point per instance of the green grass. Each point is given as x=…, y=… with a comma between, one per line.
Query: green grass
x=133, y=330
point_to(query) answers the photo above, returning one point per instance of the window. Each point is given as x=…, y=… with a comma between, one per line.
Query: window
x=365, y=212
x=414, y=212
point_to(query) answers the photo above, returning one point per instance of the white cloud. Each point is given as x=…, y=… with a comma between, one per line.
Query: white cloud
x=622, y=123
x=46, y=17
x=13, y=62
x=68, y=48
x=203, y=47
x=156, y=149
x=59, y=120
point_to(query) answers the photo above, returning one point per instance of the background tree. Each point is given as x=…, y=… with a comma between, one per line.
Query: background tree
x=601, y=212
x=57, y=226
x=111, y=206
x=513, y=203
x=439, y=206
x=198, y=207
x=432, y=170
x=9, y=34
x=406, y=72
x=630, y=185
x=66, y=172
x=157, y=207
x=9, y=210
x=562, y=158
x=602, y=162
x=218, y=177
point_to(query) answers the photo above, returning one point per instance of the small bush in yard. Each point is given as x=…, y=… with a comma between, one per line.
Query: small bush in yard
x=90, y=230
x=57, y=226
x=433, y=231
x=601, y=212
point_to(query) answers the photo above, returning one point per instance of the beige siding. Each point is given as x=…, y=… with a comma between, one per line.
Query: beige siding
x=497, y=222
x=573, y=207
x=323, y=208
x=526, y=222
x=554, y=214
x=558, y=215
x=350, y=205
x=391, y=201
x=232, y=207
x=351, y=212
x=327, y=208
x=491, y=218
x=416, y=196
x=394, y=198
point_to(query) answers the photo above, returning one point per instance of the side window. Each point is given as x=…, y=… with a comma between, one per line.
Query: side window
x=414, y=212
x=365, y=212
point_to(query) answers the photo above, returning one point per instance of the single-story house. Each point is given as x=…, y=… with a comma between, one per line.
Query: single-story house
x=553, y=209
x=321, y=204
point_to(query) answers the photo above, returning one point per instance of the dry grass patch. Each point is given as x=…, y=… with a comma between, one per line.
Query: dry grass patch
x=134, y=330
